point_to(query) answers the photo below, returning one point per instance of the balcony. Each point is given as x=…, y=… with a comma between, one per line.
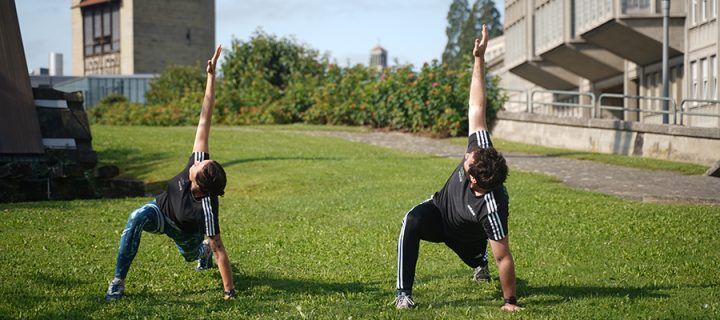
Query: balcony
x=520, y=48
x=631, y=29
x=550, y=56
x=554, y=43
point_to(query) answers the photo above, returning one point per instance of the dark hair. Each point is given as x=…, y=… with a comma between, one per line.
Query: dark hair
x=211, y=179
x=489, y=169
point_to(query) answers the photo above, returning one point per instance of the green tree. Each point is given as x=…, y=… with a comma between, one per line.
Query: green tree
x=456, y=17
x=175, y=83
x=259, y=71
x=486, y=13
x=481, y=12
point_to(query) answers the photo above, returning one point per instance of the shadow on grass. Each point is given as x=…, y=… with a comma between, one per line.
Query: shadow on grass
x=283, y=286
x=155, y=188
x=560, y=294
x=133, y=163
x=273, y=158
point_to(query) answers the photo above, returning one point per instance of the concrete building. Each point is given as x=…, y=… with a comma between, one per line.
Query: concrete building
x=378, y=58
x=140, y=36
x=614, y=47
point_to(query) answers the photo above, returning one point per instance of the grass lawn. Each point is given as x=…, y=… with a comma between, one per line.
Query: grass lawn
x=614, y=159
x=311, y=225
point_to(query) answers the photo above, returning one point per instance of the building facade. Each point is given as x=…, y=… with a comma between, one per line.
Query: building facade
x=140, y=36
x=613, y=49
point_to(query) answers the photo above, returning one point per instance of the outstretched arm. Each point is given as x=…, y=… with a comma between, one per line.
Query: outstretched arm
x=223, y=262
x=203, y=130
x=506, y=270
x=478, y=99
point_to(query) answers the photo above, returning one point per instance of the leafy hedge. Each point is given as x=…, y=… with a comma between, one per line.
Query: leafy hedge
x=278, y=80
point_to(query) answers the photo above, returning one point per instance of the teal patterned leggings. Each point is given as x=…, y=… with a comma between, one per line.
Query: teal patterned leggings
x=149, y=218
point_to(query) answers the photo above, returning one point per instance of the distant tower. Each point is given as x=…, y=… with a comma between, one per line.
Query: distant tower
x=378, y=58
x=56, y=64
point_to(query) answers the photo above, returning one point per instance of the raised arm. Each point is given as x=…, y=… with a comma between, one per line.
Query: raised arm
x=203, y=130
x=478, y=98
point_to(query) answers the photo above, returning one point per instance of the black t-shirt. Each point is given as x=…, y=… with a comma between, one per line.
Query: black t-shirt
x=465, y=216
x=189, y=214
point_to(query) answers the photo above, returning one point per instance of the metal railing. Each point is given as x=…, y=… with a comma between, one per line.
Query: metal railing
x=682, y=110
x=622, y=96
x=597, y=105
x=591, y=106
x=519, y=93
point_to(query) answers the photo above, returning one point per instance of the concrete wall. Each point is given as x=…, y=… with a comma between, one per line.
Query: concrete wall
x=77, y=59
x=127, y=36
x=153, y=35
x=172, y=32
x=696, y=145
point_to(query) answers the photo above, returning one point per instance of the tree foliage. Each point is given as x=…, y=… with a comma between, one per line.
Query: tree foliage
x=175, y=83
x=464, y=25
x=278, y=80
x=456, y=17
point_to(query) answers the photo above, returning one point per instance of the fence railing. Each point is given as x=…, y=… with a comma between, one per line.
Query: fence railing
x=597, y=105
x=622, y=96
x=517, y=97
x=578, y=94
x=683, y=111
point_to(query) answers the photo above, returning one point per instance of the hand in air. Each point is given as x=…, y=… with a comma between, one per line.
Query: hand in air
x=481, y=44
x=213, y=61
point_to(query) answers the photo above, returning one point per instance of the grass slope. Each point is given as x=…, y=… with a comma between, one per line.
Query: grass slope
x=311, y=226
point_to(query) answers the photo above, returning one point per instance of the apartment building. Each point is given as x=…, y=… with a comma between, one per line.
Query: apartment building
x=613, y=49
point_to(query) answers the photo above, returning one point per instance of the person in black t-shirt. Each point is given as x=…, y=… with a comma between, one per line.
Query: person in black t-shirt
x=469, y=210
x=187, y=210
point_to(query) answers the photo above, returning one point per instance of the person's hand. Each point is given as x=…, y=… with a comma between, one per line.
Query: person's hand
x=229, y=295
x=481, y=44
x=213, y=61
x=511, y=307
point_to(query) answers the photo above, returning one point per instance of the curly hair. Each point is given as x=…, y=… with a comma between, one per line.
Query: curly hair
x=211, y=179
x=489, y=168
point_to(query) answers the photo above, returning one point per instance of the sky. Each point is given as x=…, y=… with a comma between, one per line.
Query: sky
x=411, y=31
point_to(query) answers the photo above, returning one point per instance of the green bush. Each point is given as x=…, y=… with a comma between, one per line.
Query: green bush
x=174, y=84
x=278, y=80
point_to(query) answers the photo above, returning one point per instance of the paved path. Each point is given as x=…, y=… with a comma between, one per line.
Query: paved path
x=630, y=183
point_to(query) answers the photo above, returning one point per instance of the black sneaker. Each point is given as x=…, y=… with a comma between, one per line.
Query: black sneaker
x=205, y=262
x=115, y=290
x=481, y=275
x=403, y=300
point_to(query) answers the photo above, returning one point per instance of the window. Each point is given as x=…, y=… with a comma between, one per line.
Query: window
x=703, y=79
x=101, y=25
x=693, y=80
x=703, y=10
x=714, y=8
x=713, y=78
x=693, y=12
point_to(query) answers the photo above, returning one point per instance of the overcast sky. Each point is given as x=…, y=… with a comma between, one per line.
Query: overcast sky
x=411, y=31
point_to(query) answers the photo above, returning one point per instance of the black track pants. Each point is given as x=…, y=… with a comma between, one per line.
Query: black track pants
x=424, y=222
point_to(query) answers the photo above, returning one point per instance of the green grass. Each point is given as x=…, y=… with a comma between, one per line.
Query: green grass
x=619, y=160
x=311, y=225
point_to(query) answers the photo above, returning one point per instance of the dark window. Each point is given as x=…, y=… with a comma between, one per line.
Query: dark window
x=102, y=28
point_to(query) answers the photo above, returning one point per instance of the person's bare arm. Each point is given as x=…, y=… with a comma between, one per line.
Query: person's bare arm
x=478, y=98
x=506, y=270
x=223, y=262
x=203, y=130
